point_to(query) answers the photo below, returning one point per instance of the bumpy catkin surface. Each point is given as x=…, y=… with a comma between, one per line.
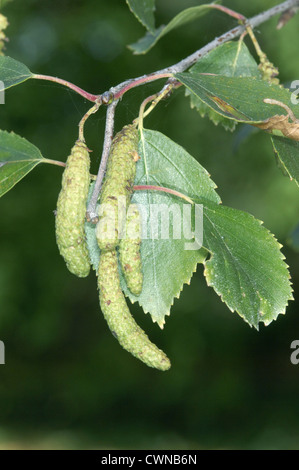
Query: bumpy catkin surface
x=120, y=321
x=118, y=186
x=71, y=211
x=129, y=251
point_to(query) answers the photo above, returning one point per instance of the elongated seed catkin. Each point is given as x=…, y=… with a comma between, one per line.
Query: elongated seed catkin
x=129, y=251
x=117, y=188
x=120, y=321
x=71, y=210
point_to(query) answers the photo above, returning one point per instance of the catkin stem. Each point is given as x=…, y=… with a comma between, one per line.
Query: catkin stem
x=91, y=209
x=92, y=110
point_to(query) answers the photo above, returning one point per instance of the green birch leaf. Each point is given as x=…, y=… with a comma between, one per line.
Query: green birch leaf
x=144, y=12
x=17, y=158
x=287, y=152
x=240, y=98
x=231, y=59
x=166, y=263
x=144, y=44
x=13, y=72
x=246, y=267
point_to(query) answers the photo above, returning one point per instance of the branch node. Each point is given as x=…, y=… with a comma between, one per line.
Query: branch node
x=107, y=97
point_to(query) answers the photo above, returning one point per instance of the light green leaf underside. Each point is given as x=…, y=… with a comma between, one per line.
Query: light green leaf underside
x=246, y=266
x=13, y=72
x=287, y=152
x=17, y=158
x=231, y=59
x=144, y=12
x=239, y=98
x=144, y=44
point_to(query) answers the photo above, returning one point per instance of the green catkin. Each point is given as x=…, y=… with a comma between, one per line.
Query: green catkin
x=121, y=323
x=129, y=251
x=3, y=38
x=118, y=187
x=71, y=211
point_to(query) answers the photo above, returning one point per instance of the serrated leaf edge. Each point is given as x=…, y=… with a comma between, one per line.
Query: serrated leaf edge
x=186, y=281
x=282, y=257
x=282, y=163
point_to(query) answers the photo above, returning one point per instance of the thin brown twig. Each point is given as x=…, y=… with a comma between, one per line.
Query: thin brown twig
x=118, y=91
x=187, y=62
x=91, y=214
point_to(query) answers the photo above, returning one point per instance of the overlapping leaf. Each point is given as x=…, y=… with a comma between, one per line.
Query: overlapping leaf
x=17, y=158
x=167, y=265
x=152, y=37
x=246, y=267
x=231, y=59
x=240, y=98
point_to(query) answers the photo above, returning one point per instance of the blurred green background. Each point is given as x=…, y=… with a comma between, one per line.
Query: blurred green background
x=66, y=382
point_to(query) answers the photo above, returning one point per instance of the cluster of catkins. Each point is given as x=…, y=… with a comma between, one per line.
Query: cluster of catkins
x=123, y=248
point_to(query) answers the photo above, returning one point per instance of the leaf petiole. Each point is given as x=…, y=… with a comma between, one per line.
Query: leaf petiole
x=163, y=190
x=60, y=81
